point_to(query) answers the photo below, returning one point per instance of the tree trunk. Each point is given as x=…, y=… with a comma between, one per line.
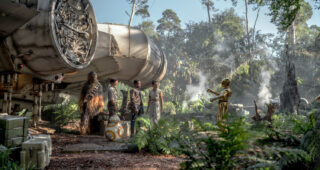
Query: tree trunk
x=289, y=97
x=132, y=12
x=251, y=69
x=208, y=10
x=248, y=31
x=254, y=46
x=129, y=25
x=293, y=38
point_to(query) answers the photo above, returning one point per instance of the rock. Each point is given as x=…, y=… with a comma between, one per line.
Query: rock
x=93, y=147
x=132, y=148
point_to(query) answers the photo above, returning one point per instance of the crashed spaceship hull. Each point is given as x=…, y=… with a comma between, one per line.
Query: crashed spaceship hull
x=47, y=47
x=120, y=57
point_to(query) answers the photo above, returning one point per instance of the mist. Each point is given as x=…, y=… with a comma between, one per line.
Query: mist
x=264, y=94
x=195, y=92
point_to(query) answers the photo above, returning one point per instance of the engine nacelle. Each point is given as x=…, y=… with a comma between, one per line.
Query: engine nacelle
x=61, y=38
x=125, y=54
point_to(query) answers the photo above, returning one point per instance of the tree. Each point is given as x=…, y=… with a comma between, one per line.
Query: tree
x=247, y=27
x=139, y=7
x=148, y=28
x=169, y=23
x=209, y=5
x=283, y=12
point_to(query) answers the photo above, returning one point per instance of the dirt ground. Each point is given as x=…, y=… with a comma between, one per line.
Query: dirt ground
x=101, y=160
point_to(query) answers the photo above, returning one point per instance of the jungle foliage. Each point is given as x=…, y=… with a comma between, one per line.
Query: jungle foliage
x=237, y=143
x=62, y=114
x=7, y=163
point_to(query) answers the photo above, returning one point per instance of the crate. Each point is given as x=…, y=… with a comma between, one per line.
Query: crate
x=46, y=138
x=10, y=122
x=35, y=153
x=13, y=130
x=126, y=128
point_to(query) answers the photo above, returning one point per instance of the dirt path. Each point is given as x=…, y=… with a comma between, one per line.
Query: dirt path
x=102, y=160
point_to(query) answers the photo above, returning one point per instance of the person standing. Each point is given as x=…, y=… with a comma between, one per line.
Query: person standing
x=155, y=103
x=135, y=104
x=90, y=102
x=113, y=98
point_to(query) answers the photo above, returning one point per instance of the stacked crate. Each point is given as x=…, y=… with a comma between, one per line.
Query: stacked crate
x=13, y=130
x=36, y=152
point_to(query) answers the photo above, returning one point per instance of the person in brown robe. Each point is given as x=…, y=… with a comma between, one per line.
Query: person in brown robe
x=135, y=104
x=90, y=102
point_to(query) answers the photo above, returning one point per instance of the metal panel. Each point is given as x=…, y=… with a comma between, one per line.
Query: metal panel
x=145, y=61
x=60, y=39
x=13, y=16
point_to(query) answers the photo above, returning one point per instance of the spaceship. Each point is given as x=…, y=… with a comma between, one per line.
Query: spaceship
x=47, y=48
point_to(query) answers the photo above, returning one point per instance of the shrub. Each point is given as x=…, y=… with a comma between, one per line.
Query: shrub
x=6, y=163
x=277, y=157
x=65, y=113
x=311, y=140
x=215, y=152
x=299, y=124
x=157, y=139
x=169, y=108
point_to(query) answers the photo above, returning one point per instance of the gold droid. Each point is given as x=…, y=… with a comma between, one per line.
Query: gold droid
x=222, y=98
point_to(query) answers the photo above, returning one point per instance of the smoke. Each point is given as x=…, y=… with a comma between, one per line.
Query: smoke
x=227, y=62
x=264, y=94
x=194, y=92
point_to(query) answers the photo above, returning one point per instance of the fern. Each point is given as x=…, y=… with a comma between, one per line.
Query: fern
x=220, y=152
x=311, y=140
x=141, y=139
x=278, y=137
x=278, y=157
x=6, y=163
x=65, y=113
x=158, y=138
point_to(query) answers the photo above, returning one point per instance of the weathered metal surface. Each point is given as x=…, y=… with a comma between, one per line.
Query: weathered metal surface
x=60, y=39
x=113, y=59
x=13, y=15
x=61, y=43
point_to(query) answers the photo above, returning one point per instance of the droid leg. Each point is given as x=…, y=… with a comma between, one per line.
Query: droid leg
x=9, y=102
x=39, y=103
x=35, y=111
x=5, y=102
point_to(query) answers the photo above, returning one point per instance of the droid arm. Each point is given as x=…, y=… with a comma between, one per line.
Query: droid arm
x=216, y=98
x=213, y=92
x=222, y=96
